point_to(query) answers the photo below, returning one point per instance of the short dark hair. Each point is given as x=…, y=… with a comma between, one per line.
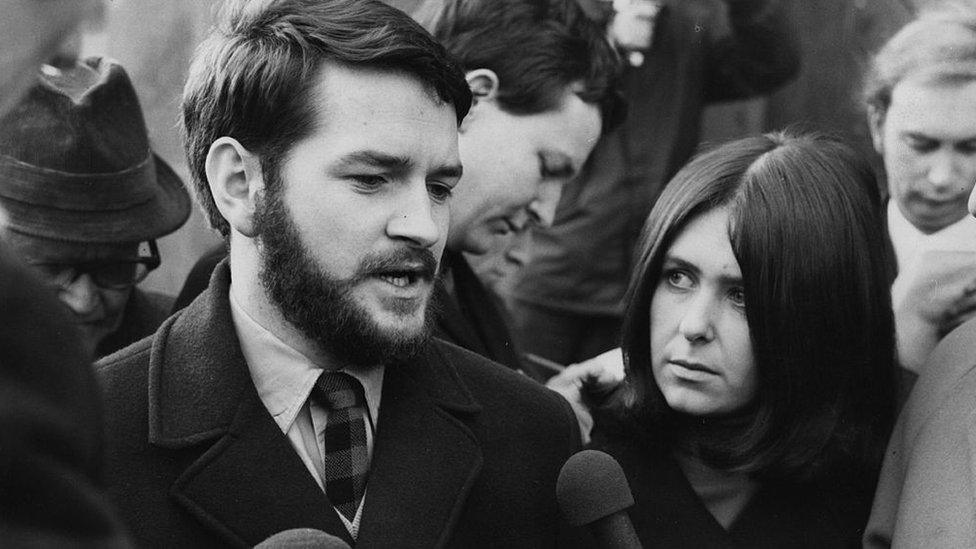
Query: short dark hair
x=252, y=78
x=939, y=45
x=808, y=239
x=536, y=47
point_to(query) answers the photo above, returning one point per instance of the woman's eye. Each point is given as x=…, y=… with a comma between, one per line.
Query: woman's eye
x=439, y=192
x=678, y=279
x=738, y=296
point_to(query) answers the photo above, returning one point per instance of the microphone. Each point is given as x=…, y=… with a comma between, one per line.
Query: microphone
x=302, y=538
x=592, y=491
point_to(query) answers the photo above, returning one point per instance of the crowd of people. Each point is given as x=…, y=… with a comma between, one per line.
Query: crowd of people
x=463, y=244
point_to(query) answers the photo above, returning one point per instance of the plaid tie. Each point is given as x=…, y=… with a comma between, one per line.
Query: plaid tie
x=346, y=457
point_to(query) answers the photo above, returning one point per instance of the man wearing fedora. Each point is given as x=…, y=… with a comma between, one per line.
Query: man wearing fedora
x=301, y=389
x=85, y=198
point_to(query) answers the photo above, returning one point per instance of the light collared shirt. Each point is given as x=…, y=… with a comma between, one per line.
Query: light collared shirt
x=284, y=379
x=913, y=247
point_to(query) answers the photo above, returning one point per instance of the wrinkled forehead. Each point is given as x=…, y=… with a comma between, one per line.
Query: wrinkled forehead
x=37, y=249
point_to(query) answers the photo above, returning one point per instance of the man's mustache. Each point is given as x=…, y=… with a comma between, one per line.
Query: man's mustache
x=419, y=262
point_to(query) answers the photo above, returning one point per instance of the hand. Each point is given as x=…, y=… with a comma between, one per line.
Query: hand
x=588, y=381
x=941, y=295
x=941, y=289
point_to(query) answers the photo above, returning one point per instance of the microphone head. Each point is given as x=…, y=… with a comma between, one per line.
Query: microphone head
x=302, y=538
x=592, y=485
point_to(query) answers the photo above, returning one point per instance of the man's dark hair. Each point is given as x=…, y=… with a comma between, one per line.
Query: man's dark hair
x=253, y=77
x=538, y=48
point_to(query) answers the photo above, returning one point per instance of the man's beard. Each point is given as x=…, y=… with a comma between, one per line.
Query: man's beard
x=322, y=307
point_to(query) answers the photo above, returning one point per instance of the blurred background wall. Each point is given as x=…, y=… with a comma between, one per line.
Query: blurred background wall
x=154, y=41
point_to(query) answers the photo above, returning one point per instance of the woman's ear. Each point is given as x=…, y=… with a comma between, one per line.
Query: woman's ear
x=484, y=90
x=236, y=183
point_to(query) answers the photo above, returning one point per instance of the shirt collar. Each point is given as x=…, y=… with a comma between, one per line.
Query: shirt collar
x=283, y=376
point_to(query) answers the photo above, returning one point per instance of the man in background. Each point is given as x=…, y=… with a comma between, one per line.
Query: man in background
x=922, y=94
x=86, y=198
x=543, y=77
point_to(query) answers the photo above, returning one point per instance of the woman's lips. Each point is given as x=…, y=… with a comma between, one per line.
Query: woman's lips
x=693, y=366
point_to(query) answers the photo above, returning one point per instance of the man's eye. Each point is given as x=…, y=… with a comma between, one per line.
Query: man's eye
x=369, y=181
x=921, y=144
x=439, y=191
x=557, y=172
x=967, y=147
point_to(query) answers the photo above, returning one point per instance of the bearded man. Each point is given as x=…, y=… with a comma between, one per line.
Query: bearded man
x=301, y=389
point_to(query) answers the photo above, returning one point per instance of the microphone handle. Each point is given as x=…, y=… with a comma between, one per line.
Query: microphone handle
x=615, y=531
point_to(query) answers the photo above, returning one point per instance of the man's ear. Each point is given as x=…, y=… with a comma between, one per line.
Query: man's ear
x=484, y=90
x=236, y=183
x=876, y=118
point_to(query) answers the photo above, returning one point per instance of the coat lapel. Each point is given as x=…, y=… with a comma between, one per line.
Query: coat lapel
x=249, y=483
x=426, y=457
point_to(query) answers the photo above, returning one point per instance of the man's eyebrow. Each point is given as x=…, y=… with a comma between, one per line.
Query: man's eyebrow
x=451, y=171
x=374, y=158
x=392, y=163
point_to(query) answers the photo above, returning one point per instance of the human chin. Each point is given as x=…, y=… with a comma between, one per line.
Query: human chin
x=340, y=316
x=394, y=308
x=697, y=401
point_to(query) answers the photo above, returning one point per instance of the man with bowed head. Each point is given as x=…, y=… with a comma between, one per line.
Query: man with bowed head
x=300, y=390
x=86, y=198
x=542, y=77
x=925, y=492
x=920, y=94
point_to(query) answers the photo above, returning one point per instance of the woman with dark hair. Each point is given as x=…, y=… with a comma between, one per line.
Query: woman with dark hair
x=759, y=351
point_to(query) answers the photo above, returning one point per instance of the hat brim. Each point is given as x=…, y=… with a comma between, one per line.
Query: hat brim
x=166, y=210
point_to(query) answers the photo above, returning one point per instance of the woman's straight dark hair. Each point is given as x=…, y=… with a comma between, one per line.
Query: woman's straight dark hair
x=807, y=235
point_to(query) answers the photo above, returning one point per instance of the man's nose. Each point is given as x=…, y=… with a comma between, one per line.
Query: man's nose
x=543, y=207
x=943, y=171
x=82, y=295
x=414, y=219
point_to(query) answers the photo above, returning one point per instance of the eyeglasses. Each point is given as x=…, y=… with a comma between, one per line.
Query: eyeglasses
x=117, y=274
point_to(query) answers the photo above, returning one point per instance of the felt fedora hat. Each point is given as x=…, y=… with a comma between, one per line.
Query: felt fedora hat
x=75, y=162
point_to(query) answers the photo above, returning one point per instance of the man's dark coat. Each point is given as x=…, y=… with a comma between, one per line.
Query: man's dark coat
x=466, y=455
x=473, y=318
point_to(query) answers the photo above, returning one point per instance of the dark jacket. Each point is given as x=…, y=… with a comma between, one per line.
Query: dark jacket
x=471, y=316
x=466, y=454
x=669, y=514
x=50, y=423
x=144, y=312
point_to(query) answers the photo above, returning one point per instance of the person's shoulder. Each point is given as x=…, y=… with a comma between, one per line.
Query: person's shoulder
x=947, y=371
x=124, y=359
x=957, y=349
x=125, y=370
x=501, y=390
x=483, y=374
x=157, y=301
